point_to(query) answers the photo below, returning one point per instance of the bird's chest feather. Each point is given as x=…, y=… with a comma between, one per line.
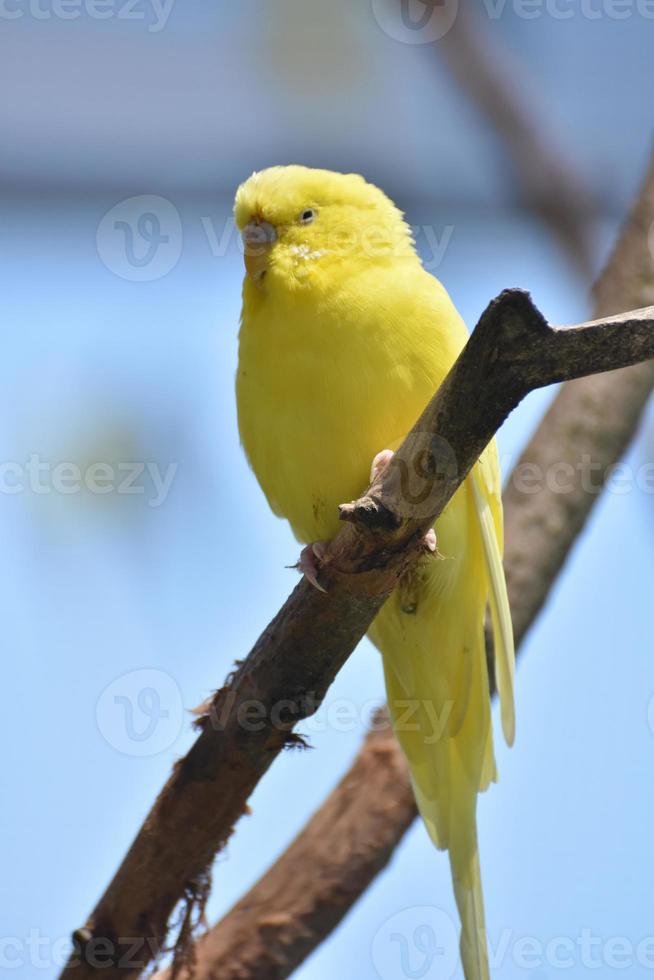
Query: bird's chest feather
x=318, y=397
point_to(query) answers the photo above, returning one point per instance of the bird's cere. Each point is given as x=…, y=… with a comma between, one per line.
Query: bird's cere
x=259, y=233
x=258, y=237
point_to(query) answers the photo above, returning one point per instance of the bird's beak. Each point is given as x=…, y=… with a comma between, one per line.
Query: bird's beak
x=258, y=237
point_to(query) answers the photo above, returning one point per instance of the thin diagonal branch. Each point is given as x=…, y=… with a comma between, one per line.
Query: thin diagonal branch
x=298, y=902
x=545, y=175
x=295, y=660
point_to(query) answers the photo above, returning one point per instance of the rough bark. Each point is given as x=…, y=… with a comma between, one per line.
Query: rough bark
x=321, y=874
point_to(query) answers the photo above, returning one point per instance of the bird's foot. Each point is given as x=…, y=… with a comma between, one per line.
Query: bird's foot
x=430, y=543
x=309, y=562
x=379, y=464
x=312, y=555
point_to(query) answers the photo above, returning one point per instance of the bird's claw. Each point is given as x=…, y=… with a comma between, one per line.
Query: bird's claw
x=309, y=563
x=380, y=462
x=429, y=542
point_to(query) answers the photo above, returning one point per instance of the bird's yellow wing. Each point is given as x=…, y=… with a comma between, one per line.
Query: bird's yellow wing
x=488, y=503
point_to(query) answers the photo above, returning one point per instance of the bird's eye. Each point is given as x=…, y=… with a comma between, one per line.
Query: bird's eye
x=307, y=216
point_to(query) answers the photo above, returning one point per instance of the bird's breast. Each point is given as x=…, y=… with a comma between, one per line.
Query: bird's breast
x=311, y=419
x=325, y=384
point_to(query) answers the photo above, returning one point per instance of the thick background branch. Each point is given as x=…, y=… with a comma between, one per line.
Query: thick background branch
x=594, y=417
x=511, y=351
x=298, y=902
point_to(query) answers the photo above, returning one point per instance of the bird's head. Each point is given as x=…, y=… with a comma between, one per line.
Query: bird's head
x=300, y=227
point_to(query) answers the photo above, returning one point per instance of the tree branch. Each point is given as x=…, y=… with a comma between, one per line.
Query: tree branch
x=546, y=177
x=594, y=418
x=309, y=890
x=285, y=677
x=304, y=895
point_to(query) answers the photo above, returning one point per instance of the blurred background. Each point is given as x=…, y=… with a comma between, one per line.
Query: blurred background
x=139, y=558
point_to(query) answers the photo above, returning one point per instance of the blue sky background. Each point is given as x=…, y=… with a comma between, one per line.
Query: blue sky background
x=106, y=597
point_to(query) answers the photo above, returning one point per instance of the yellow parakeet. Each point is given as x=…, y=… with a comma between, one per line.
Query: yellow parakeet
x=344, y=339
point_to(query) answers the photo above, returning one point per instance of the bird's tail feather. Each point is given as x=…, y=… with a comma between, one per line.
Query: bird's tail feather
x=436, y=659
x=447, y=773
x=470, y=903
